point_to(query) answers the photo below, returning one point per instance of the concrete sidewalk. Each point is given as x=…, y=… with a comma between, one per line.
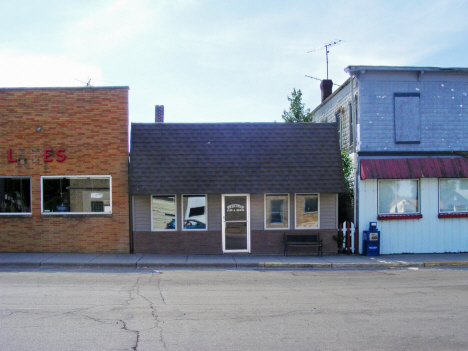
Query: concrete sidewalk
x=48, y=260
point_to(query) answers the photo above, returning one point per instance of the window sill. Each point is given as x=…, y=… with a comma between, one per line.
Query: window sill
x=453, y=215
x=69, y=214
x=3, y=215
x=396, y=216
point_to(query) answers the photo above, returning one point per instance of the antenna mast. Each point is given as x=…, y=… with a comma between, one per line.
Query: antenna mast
x=336, y=42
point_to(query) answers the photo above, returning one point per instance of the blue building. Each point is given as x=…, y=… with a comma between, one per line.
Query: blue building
x=406, y=129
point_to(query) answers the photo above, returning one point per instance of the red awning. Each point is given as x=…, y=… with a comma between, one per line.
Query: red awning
x=408, y=168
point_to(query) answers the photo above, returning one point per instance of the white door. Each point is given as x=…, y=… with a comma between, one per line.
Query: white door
x=236, y=223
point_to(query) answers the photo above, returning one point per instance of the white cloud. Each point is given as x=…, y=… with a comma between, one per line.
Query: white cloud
x=22, y=70
x=108, y=27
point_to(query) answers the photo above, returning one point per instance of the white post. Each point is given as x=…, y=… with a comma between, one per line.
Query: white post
x=343, y=230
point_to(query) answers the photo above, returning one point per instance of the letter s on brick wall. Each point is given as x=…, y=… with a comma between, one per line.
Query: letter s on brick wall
x=60, y=155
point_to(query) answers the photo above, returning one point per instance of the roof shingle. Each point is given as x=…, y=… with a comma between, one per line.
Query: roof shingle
x=235, y=158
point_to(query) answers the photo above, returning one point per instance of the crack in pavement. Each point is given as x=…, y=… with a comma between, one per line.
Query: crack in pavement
x=157, y=323
x=134, y=348
x=160, y=292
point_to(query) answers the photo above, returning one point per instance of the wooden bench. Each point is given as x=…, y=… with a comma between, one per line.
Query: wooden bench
x=302, y=240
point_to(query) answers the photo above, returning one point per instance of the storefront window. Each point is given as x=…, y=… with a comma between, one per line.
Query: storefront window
x=15, y=195
x=453, y=195
x=307, y=211
x=163, y=212
x=194, y=212
x=398, y=196
x=277, y=211
x=76, y=195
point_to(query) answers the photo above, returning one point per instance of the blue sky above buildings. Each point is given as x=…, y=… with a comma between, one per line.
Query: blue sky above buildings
x=220, y=61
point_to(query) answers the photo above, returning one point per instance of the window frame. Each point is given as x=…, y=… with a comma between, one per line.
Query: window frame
x=265, y=214
x=399, y=215
x=76, y=213
x=295, y=211
x=30, y=198
x=183, y=214
x=175, y=215
x=450, y=213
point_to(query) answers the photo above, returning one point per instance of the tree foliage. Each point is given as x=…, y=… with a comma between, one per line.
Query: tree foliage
x=297, y=112
x=346, y=199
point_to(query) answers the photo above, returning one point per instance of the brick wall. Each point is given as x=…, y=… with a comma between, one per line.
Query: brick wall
x=266, y=242
x=91, y=125
x=271, y=242
x=194, y=242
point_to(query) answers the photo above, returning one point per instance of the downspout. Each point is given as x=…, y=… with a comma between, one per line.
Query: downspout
x=130, y=204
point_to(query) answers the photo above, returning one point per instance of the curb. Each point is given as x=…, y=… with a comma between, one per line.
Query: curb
x=294, y=265
x=186, y=265
x=378, y=265
x=213, y=265
x=20, y=264
x=446, y=263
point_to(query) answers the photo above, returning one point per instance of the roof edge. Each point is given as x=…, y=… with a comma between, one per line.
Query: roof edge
x=64, y=88
x=351, y=69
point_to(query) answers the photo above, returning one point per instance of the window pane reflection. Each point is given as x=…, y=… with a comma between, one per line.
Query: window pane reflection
x=277, y=211
x=398, y=196
x=15, y=195
x=453, y=195
x=76, y=195
x=163, y=211
x=194, y=210
x=307, y=210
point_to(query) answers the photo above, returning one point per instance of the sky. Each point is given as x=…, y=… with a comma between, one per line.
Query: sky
x=220, y=61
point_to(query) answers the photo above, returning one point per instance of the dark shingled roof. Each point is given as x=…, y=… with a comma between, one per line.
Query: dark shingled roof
x=235, y=158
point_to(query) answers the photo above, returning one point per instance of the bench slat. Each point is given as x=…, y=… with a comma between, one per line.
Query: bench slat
x=303, y=240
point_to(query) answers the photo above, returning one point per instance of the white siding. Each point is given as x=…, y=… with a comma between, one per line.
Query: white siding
x=214, y=212
x=426, y=235
x=328, y=218
x=257, y=211
x=141, y=213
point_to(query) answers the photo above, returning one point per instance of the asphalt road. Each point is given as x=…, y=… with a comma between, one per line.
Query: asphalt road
x=411, y=309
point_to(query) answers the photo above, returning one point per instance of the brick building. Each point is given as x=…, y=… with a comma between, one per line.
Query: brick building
x=232, y=187
x=64, y=170
x=406, y=130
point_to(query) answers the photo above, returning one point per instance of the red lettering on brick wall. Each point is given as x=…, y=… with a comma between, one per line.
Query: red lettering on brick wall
x=60, y=155
x=47, y=155
x=10, y=157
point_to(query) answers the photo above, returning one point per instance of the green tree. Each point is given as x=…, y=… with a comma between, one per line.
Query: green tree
x=297, y=112
x=345, y=200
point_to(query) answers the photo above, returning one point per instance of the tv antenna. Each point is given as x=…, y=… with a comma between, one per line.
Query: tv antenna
x=326, y=46
x=88, y=84
x=320, y=80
